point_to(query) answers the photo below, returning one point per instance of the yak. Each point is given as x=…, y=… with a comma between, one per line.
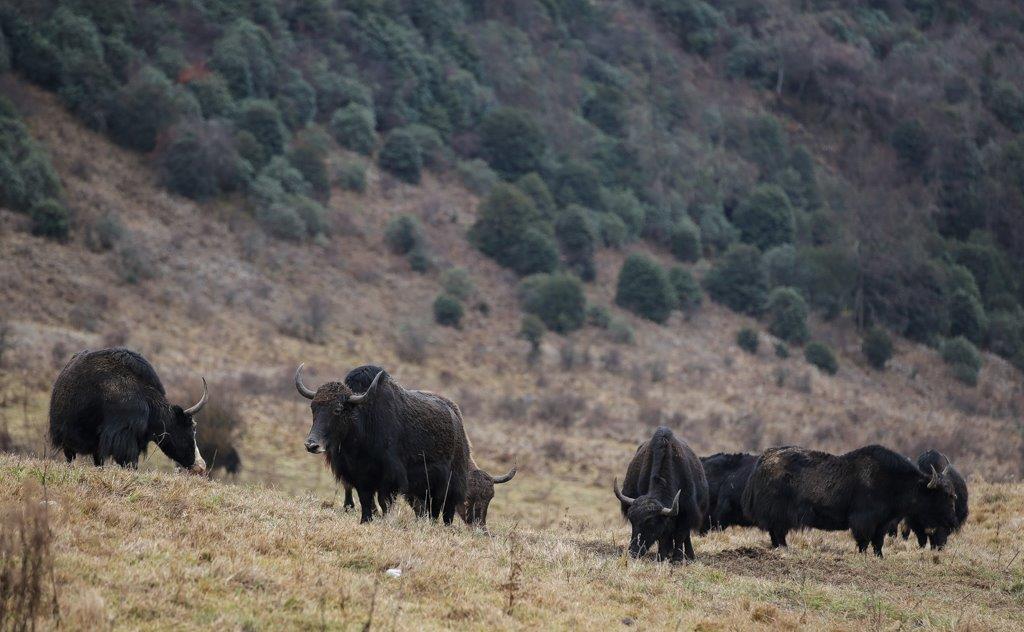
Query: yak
x=111, y=404
x=480, y=484
x=933, y=460
x=664, y=496
x=389, y=441
x=727, y=476
x=864, y=491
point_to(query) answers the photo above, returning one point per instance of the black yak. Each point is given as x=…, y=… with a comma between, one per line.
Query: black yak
x=727, y=476
x=110, y=404
x=664, y=496
x=930, y=461
x=389, y=441
x=864, y=491
x=480, y=484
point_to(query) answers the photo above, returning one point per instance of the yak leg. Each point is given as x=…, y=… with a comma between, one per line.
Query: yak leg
x=683, y=547
x=69, y=454
x=922, y=537
x=349, y=503
x=938, y=539
x=97, y=460
x=878, y=539
x=366, y=504
x=778, y=537
x=666, y=548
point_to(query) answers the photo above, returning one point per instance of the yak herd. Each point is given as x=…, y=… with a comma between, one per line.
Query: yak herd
x=384, y=441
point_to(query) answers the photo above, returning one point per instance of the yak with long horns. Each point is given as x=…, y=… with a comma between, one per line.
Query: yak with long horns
x=389, y=441
x=111, y=404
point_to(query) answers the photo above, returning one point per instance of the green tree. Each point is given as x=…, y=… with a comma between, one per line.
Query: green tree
x=688, y=294
x=262, y=119
x=353, y=127
x=50, y=219
x=512, y=142
x=557, y=299
x=403, y=234
x=787, y=314
x=877, y=347
x=821, y=356
x=963, y=358
x=578, y=182
x=644, y=288
x=967, y=317
x=401, y=156
x=448, y=311
x=685, y=241
x=748, y=340
x=146, y=106
x=738, y=281
x=507, y=230
x=765, y=217
x=578, y=237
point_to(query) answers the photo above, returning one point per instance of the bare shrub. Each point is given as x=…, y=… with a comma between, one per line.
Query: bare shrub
x=512, y=407
x=135, y=261
x=26, y=562
x=611, y=361
x=554, y=450
x=650, y=413
x=6, y=340
x=317, y=315
x=658, y=370
x=116, y=336
x=87, y=314
x=411, y=344
x=560, y=409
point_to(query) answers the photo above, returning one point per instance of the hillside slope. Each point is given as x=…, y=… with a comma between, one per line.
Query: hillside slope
x=166, y=552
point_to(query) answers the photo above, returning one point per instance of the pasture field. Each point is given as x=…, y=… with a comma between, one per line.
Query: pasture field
x=163, y=551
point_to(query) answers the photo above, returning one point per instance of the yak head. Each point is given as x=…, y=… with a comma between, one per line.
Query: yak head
x=176, y=435
x=935, y=501
x=651, y=520
x=479, y=493
x=335, y=410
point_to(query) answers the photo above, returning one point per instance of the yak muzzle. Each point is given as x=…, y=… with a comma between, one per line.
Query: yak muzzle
x=313, y=447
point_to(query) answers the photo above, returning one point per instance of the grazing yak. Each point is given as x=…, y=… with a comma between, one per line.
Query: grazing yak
x=111, y=404
x=935, y=461
x=864, y=491
x=480, y=488
x=389, y=441
x=664, y=496
x=727, y=476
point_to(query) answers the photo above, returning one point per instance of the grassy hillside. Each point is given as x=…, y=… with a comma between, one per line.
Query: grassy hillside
x=163, y=551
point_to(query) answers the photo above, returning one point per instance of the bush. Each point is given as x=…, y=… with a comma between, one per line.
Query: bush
x=748, y=340
x=311, y=161
x=685, y=241
x=512, y=142
x=578, y=238
x=507, y=230
x=312, y=214
x=297, y=101
x=821, y=356
x=557, y=299
x=135, y=261
x=401, y=156
x=50, y=219
x=1006, y=335
x=262, y=119
x=448, y=311
x=765, y=217
x=688, y=294
x=1007, y=104
x=200, y=161
x=781, y=350
x=436, y=154
x=280, y=220
x=912, y=144
x=403, y=234
x=476, y=176
x=457, y=283
x=105, y=233
x=420, y=259
x=145, y=107
x=213, y=95
x=599, y=316
x=623, y=204
x=621, y=332
x=532, y=330
x=334, y=91
x=578, y=182
x=353, y=126
x=967, y=317
x=963, y=358
x=245, y=55
x=351, y=175
x=613, y=231
x=535, y=188
x=877, y=348
x=644, y=288
x=782, y=266
x=738, y=281
x=787, y=312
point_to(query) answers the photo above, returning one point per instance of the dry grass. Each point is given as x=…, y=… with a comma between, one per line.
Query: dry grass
x=164, y=551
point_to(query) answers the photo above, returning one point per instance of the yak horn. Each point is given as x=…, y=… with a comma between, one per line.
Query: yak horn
x=299, y=386
x=674, y=511
x=358, y=399
x=935, y=478
x=618, y=493
x=497, y=480
x=202, y=401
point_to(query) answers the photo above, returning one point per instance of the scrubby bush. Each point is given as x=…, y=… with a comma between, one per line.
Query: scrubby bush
x=50, y=219
x=353, y=127
x=963, y=358
x=420, y=259
x=787, y=314
x=685, y=240
x=401, y=156
x=262, y=119
x=738, y=281
x=281, y=220
x=296, y=100
x=512, y=142
x=476, y=176
x=537, y=190
x=310, y=160
x=312, y=214
x=506, y=230
x=247, y=58
x=877, y=347
x=599, y=316
x=403, y=234
x=781, y=350
x=351, y=175
x=335, y=91
x=716, y=230
x=578, y=182
x=105, y=233
x=213, y=95
x=532, y=329
x=557, y=299
x=967, y=317
x=436, y=154
x=578, y=238
x=688, y=294
x=134, y=261
x=448, y=311
x=621, y=332
x=457, y=283
x=199, y=160
x=765, y=217
x=748, y=340
x=821, y=356
x=613, y=231
x=623, y=203
x=644, y=288
x=146, y=106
